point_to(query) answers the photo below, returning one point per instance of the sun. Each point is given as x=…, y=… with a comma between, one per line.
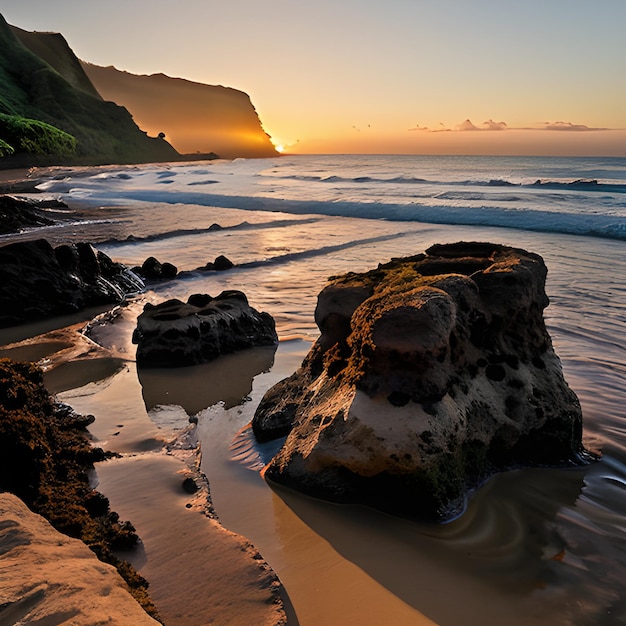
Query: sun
x=280, y=148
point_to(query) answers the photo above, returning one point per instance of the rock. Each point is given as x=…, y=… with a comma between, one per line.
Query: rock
x=47, y=460
x=39, y=281
x=431, y=373
x=153, y=269
x=19, y=213
x=222, y=263
x=174, y=333
x=189, y=485
x=50, y=578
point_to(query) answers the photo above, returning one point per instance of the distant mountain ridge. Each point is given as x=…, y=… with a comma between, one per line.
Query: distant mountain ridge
x=40, y=96
x=194, y=116
x=55, y=109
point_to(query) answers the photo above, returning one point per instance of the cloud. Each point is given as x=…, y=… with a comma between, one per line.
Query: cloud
x=488, y=125
x=568, y=126
x=467, y=125
x=491, y=125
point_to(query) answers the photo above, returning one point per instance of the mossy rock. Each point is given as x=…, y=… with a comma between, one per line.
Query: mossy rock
x=45, y=456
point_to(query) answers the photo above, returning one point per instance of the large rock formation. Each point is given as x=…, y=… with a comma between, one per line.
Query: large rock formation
x=174, y=333
x=194, y=117
x=431, y=373
x=39, y=281
x=42, y=80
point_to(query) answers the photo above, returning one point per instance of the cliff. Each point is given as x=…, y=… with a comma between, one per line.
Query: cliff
x=49, y=112
x=194, y=117
x=55, y=51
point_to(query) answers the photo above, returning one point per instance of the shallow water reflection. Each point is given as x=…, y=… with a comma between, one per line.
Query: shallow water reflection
x=533, y=546
x=227, y=379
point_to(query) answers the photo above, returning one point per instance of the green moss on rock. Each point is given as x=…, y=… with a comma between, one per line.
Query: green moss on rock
x=45, y=456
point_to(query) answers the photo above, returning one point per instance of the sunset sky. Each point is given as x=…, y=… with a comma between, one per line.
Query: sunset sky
x=373, y=76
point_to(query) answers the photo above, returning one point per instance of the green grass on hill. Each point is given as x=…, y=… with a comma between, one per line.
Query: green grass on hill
x=5, y=149
x=75, y=127
x=20, y=134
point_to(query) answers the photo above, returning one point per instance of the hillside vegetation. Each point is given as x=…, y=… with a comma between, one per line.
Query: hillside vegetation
x=32, y=90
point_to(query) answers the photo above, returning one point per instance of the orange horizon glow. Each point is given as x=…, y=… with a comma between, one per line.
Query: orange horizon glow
x=610, y=143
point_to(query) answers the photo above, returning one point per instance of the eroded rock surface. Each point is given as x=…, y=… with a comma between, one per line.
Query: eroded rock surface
x=175, y=333
x=431, y=373
x=49, y=578
x=39, y=281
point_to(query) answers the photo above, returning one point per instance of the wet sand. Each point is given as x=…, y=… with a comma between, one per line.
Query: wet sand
x=500, y=563
x=199, y=572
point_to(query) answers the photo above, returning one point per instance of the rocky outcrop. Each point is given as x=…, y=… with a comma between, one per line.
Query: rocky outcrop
x=153, y=269
x=19, y=213
x=431, y=373
x=39, y=281
x=50, y=578
x=194, y=117
x=174, y=333
x=46, y=459
x=53, y=88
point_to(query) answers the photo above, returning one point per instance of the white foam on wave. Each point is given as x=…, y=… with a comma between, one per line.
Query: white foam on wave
x=564, y=205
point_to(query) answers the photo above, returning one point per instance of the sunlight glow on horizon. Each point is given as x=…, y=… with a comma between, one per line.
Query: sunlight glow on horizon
x=356, y=77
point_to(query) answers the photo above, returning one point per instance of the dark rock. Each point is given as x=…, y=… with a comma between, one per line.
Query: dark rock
x=16, y=214
x=431, y=373
x=38, y=281
x=174, y=333
x=168, y=270
x=222, y=263
x=153, y=269
x=189, y=485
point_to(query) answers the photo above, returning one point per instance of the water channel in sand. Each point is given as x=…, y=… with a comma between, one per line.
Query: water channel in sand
x=506, y=560
x=534, y=546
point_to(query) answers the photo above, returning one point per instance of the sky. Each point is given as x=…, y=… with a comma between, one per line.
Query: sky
x=544, y=77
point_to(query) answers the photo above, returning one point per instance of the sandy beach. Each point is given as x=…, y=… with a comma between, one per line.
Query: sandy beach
x=179, y=530
x=533, y=546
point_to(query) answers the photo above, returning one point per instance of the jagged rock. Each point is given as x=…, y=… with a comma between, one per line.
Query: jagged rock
x=431, y=373
x=222, y=263
x=39, y=281
x=174, y=333
x=153, y=269
x=19, y=213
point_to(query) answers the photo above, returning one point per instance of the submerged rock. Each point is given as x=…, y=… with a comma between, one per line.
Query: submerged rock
x=431, y=373
x=174, y=333
x=39, y=281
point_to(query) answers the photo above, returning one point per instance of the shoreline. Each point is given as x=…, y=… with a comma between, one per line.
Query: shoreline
x=520, y=543
x=165, y=469
x=171, y=473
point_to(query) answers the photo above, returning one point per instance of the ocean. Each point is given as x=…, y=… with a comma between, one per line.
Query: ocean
x=537, y=546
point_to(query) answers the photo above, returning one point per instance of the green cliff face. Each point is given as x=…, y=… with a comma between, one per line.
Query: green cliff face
x=51, y=91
